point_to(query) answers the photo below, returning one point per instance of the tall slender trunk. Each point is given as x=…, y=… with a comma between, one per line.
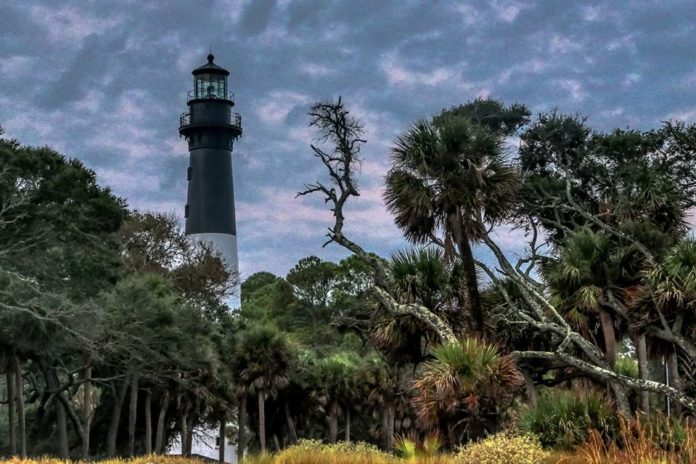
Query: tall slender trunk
x=241, y=432
x=347, y=424
x=148, y=422
x=132, y=415
x=291, y=424
x=11, y=402
x=642, y=354
x=388, y=426
x=159, y=436
x=189, y=430
x=53, y=384
x=333, y=421
x=609, y=335
x=675, y=379
x=183, y=423
x=529, y=386
x=276, y=443
x=221, y=444
x=62, y=429
x=112, y=434
x=87, y=411
x=262, y=420
x=474, y=305
x=21, y=414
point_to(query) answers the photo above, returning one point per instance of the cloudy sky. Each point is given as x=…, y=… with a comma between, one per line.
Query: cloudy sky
x=105, y=81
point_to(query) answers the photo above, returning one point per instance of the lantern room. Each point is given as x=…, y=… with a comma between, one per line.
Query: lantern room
x=210, y=82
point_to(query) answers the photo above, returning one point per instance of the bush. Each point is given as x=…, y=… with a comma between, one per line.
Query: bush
x=315, y=452
x=563, y=418
x=503, y=449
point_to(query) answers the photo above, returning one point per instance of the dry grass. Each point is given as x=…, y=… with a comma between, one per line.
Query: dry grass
x=657, y=442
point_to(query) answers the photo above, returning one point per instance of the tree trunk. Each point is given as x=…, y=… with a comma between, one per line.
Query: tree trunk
x=529, y=386
x=609, y=335
x=189, y=430
x=159, y=437
x=276, y=443
x=132, y=415
x=474, y=305
x=675, y=379
x=115, y=421
x=62, y=429
x=347, y=424
x=241, y=432
x=642, y=354
x=183, y=423
x=262, y=421
x=221, y=444
x=291, y=424
x=388, y=426
x=21, y=414
x=148, y=422
x=11, y=403
x=87, y=411
x=333, y=422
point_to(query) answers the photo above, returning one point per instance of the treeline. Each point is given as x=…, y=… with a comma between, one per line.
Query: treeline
x=115, y=336
x=112, y=322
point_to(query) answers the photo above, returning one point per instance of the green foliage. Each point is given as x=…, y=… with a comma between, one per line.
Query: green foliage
x=467, y=386
x=563, y=418
x=626, y=366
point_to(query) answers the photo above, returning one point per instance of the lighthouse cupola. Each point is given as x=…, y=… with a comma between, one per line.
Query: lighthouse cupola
x=210, y=82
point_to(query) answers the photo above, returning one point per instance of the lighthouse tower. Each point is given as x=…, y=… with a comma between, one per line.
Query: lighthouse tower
x=211, y=127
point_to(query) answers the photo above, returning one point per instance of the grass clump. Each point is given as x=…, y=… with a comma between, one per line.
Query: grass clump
x=657, y=441
x=563, y=418
x=503, y=449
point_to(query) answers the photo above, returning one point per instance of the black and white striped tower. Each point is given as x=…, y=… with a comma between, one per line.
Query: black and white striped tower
x=211, y=127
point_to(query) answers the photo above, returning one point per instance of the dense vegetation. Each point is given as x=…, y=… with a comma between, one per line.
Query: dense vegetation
x=115, y=335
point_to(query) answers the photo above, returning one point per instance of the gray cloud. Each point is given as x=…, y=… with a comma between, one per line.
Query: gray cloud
x=106, y=81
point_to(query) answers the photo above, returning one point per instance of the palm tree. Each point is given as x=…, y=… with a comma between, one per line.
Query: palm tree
x=580, y=278
x=378, y=381
x=418, y=276
x=445, y=175
x=463, y=389
x=334, y=377
x=263, y=362
x=674, y=294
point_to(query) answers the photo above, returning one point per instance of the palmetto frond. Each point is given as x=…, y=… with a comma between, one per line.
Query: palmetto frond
x=465, y=381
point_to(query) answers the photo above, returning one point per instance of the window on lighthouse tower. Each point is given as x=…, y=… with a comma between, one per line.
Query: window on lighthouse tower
x=211, y=86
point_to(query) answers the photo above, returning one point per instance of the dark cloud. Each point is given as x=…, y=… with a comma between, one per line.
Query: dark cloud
x=106, y=82
x=256, y=16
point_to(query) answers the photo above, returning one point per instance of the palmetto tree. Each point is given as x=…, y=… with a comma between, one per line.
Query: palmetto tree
x=418, y=276
x=674, y=294
x=462, y=391
x=586, y=269
x=445, y=175
x=334, y=378
x=263, y=361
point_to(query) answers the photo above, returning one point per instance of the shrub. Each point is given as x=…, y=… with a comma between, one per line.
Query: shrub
x=503, y=449
x=416, y=451
x=315, y=452
x=563, y=418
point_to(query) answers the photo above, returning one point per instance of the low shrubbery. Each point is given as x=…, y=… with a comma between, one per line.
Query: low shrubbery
x=563, y=418
x=503, y=449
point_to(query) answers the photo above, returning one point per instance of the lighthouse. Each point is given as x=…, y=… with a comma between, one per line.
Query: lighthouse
x=210, y=128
